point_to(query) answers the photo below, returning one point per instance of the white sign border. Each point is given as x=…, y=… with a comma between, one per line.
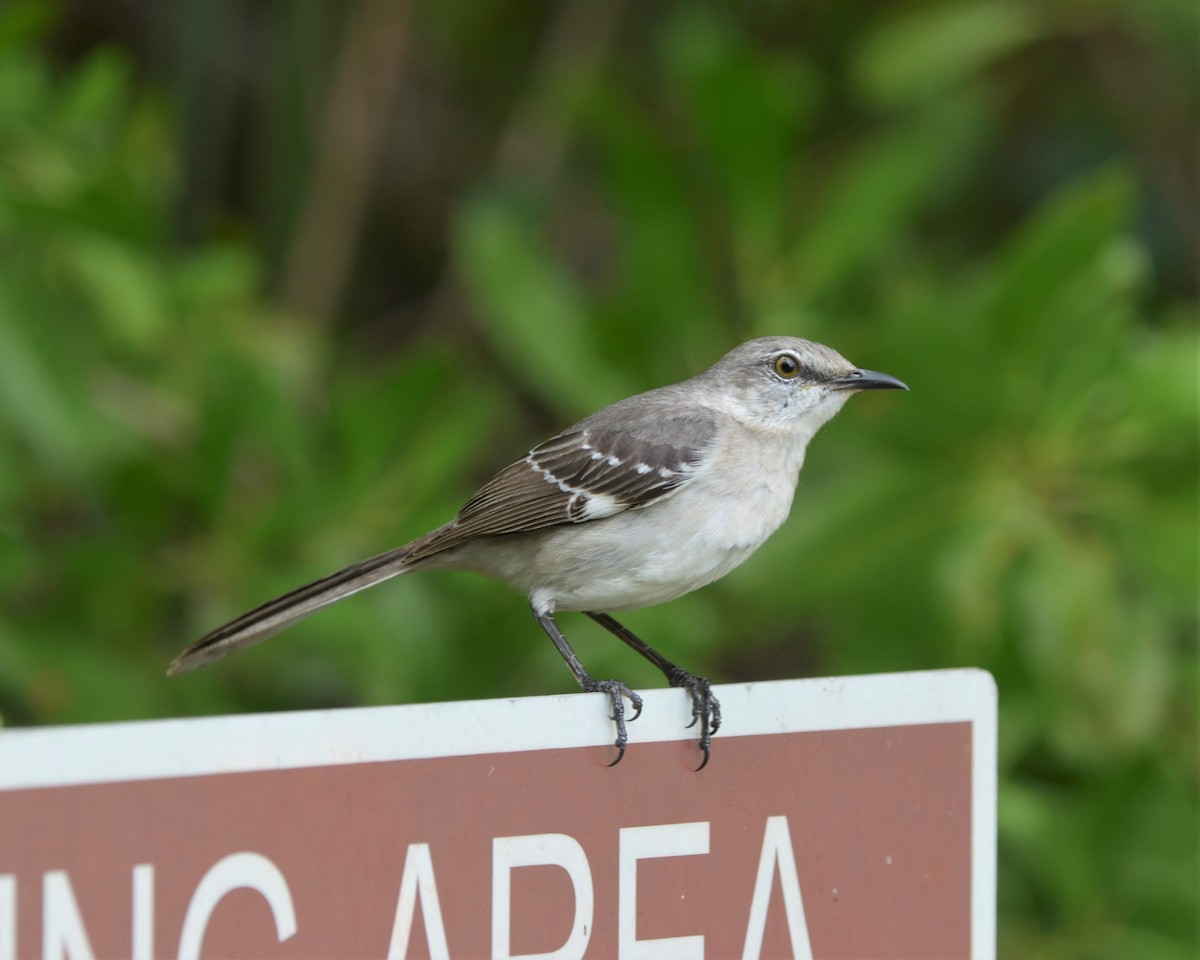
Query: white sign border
x=161, y=749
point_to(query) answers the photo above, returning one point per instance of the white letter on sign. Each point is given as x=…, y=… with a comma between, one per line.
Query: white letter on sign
x=417, y=880
x=245, y=869
x=540, y=849
x=63, y=934
x=8, y=917
x=143, y=912
x=777, y=849
x=644, y=843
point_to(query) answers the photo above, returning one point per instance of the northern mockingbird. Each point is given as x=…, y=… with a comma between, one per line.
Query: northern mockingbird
x=640, y=503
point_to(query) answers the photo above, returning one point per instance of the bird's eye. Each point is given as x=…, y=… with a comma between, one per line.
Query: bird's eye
x=787, y=365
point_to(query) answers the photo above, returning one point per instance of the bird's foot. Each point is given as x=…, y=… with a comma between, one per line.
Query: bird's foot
x=706, y=708
x=617, y=693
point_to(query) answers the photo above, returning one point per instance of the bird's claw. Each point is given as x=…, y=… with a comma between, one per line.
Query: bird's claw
x=617, y=692
x=706, y=708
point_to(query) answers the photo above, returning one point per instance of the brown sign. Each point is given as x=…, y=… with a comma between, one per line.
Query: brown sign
x=865, y=839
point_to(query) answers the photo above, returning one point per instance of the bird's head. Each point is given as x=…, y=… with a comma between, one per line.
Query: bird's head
x=791, y=384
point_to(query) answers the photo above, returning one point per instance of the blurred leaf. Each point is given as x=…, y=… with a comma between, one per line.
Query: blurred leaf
x=35, y=400
x=1068, y=234
x=663, y=253
x=747, y=111
x=23, y=22
x=95, y=95
x=878, y=192
x=126, y=289
x=534, y=316
x=920, y=54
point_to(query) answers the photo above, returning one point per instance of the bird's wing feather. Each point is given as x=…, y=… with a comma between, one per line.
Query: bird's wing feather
x=586, y=473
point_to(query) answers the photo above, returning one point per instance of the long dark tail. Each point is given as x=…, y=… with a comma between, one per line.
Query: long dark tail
x=267, y=620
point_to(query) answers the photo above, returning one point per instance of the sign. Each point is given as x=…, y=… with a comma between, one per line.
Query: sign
x=849, y=817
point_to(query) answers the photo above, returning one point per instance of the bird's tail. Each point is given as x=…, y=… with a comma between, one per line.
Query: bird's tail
x=267, y=620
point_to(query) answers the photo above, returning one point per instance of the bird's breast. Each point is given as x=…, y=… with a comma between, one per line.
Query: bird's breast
x=673, y=546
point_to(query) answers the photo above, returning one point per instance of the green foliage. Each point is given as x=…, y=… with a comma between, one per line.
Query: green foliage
x=174, y=447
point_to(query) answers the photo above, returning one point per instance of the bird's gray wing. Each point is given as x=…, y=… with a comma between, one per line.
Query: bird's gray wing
x=586, y=473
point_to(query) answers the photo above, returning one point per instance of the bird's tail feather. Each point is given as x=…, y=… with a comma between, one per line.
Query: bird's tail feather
x=268, y=619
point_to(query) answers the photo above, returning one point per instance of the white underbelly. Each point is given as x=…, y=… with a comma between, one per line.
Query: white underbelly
x=614, y=573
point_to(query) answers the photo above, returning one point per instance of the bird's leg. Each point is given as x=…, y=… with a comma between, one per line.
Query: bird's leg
x=615, y=690
x=706, y=708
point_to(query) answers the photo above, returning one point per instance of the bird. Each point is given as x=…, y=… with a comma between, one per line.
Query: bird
x=642, y=502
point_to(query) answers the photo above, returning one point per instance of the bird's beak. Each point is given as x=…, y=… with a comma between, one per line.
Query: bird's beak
x=867, y=380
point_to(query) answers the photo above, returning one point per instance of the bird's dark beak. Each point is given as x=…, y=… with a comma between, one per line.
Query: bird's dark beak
x=867, y=380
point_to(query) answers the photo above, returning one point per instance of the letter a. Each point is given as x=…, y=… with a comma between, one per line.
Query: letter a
x=418, y=881
x=777, y=849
